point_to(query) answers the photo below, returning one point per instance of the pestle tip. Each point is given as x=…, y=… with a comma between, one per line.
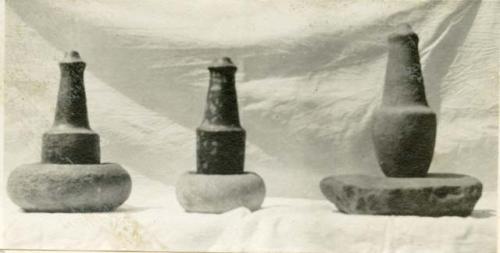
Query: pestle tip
x=224, y=62
x=71, y=56
x=401, y=31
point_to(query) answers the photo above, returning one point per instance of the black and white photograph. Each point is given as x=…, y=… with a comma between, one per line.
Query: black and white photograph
x=319, y=126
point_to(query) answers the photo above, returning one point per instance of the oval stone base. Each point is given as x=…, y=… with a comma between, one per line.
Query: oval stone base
x=212, y=193
x=434, y=195
x=69, y=187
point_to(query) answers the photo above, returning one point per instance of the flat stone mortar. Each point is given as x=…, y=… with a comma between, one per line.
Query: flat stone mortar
x=69, y=187
x=434, y=195
x=216, y=193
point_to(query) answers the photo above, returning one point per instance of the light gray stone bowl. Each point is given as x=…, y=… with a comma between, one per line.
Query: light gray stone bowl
x=215, y=193
x=47, y=187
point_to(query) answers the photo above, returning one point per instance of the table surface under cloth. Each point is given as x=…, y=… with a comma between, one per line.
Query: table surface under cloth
x=153, y=220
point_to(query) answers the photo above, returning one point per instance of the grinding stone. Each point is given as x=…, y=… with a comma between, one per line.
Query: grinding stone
x=69, y=187
x=434, y=195
x=404, y=126
x=216, y=193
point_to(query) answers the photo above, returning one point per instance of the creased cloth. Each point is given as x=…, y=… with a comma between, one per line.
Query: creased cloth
x=309, y=76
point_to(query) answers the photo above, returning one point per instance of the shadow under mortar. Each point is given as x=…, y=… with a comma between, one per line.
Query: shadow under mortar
x=220, y=183
x=70, y=177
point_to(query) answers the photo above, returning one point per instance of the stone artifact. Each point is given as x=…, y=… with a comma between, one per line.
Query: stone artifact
x=434, y=195
x=219, y=183
x=404, y=131
x=70, y=177
x=404, y=127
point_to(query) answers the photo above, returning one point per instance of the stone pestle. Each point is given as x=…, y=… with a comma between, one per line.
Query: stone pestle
x=404, y=132
x=404, y=126
x=220, y=137
x=70, y=140
x=70, y=177
x=220, y=183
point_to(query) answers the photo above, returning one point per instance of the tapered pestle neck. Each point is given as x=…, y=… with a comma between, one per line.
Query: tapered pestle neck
x=222, y=104
x=404, y=84
x=70, y=140
x=71, y=110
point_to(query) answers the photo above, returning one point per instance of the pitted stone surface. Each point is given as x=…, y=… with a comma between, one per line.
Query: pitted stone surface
x=220, y=139
x=220, y=151
x=71, y=146
x=214, y=193
x=70, y=177
x=434, y=195
x=404, y=126
x=69, y=187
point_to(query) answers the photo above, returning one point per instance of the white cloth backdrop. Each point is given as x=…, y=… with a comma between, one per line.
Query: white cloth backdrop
x=310, y=75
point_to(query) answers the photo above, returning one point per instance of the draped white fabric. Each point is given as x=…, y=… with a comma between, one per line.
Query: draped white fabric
x=309, y=76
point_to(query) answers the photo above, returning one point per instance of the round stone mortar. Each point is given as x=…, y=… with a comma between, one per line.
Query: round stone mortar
x=216, y=193
x=69, y=187
x=434, y=195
